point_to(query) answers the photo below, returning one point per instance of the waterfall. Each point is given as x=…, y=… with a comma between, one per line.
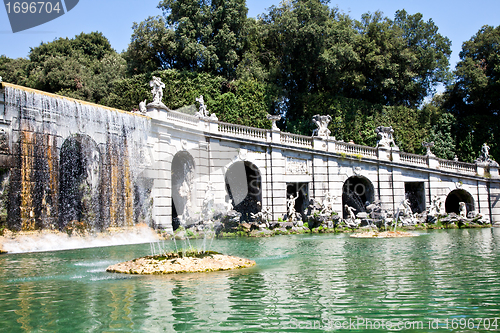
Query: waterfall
x=75, y=165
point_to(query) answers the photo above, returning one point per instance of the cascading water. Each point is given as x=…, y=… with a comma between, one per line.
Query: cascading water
x=75, y=165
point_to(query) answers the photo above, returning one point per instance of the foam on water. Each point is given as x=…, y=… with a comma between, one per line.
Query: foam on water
x=56, y=242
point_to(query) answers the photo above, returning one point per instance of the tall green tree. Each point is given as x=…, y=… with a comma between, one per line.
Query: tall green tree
x=402, y=59
x=152, y=47
x=84, y=67
x=204, y=36
x=474, y=98
x=311, y=47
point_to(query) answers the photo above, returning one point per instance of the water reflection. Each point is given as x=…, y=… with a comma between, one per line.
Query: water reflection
x=299, y=281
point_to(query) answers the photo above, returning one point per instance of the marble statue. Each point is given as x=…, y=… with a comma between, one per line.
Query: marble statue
x=485, y=153
x=327, y=204
x=463, y=209
x=428, y=145
x=407, y=208
x=373, y=208
x=274, y=119
x=157, y=90
x=437, y=206
x=185, y=192
x=142, y=107
x=208, y=202
x=384, y=134
x=263, y=216
x=322, y=125
x=350, y=211
x=203, y=111
x=291, y=206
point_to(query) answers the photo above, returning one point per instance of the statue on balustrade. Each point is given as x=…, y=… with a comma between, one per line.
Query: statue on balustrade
x=203, y=111
x=157, y=90
x=142, y=107
x=385, y=138
x=428, y=146
x=485, y=156
x=274, y=119
x=322, y=126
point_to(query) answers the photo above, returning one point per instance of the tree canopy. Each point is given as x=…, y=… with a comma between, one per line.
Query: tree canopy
x=84, y=67
x=474, y=97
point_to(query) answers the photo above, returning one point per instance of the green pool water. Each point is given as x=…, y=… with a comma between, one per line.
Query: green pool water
x=441, y=281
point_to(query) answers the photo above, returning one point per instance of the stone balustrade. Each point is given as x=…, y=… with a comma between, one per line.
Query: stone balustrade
x=242, y=131
x=302, y=141
x=414, y=159
x=457, y=166
x=182, y=117
x=296, y=140
x=354, y=149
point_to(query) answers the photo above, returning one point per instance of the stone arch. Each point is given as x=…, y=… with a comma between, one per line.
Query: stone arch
x=79, y=181
x=182, y=181
x=244, y=187
x=356, y=191
x=455, y=197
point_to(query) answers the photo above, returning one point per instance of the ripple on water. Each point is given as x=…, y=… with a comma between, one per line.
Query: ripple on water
x=306, y=279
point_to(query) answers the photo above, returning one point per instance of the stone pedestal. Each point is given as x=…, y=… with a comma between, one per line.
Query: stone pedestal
x=384, y=153
x=319, y=143
x=432, y=162
x=275, y=136
x=331, y=145
x=154, y=109
x=395, y=154
x=494, y=170
x=481, y=168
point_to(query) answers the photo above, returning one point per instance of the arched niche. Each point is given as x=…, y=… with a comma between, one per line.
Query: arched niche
x=454, y=198
x=183, y=193
x=244, y=187
x=357, y=190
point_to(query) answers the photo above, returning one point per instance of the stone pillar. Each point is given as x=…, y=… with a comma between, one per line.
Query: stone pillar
x=384, y=153
x=319, y=143
x=331, y=145
x=214, y=126
x=395, y=154
x=432, y=162
x=161, y=175
x=278, y=182
x=481, y=168
x=275, y=136
x=495, y=202
x=494, y=170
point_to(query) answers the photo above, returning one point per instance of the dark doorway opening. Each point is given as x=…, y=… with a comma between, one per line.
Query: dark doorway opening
x=415, y=192
x=301, y=191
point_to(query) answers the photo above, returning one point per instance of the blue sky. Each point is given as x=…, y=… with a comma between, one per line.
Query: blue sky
x=458, y=20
